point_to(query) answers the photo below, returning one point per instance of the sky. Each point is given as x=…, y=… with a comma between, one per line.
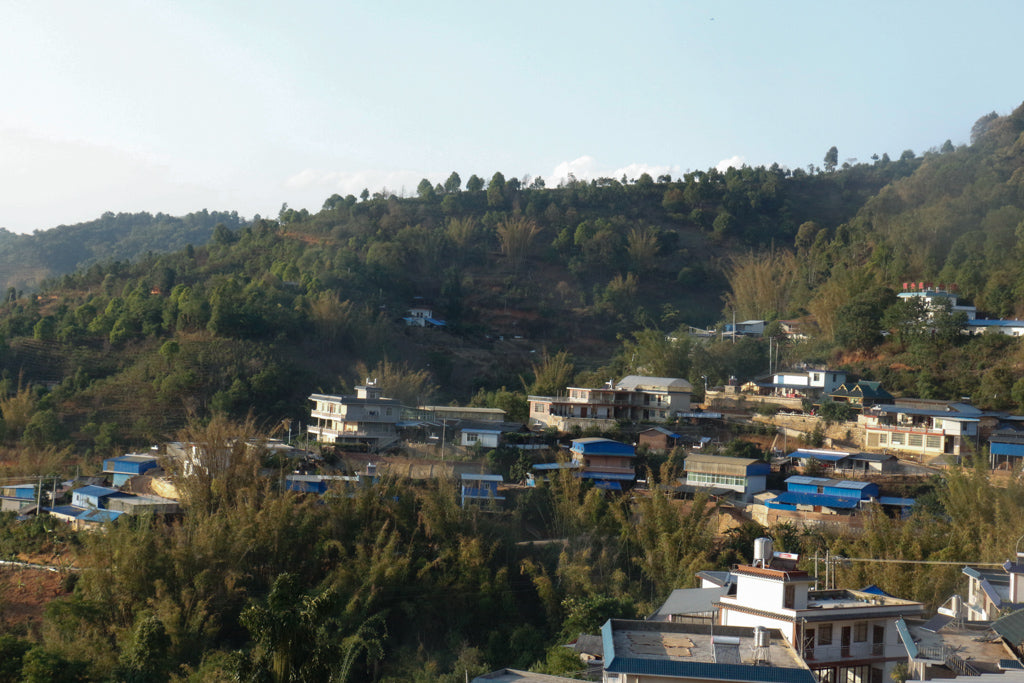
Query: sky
x=176, y=106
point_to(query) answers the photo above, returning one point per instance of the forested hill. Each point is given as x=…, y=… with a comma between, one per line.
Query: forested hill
x=265, y=312
x=27, y=260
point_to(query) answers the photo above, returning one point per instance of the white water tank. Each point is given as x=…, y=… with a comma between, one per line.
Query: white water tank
x=762, y=551
x=956, y=607
x=761, y=637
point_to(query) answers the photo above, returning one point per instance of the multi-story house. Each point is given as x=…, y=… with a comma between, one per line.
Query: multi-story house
x=366, y=419
x=632, y=399
x=927, y=431
x=991, y=594
x=843, y=635
x=812, y=384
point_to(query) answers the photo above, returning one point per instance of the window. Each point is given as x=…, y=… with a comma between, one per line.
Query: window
x=882, y=439
x=897, y=439
x=825, y=634
x=914, y=440
x=472, y=438
x=860, y=632
x=789, y=596
x=933, y=442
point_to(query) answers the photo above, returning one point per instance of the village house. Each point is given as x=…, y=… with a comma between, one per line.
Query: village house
x=660, y=651
x=718, y=473
x=480, y=488
x=844, y=461
x=658, y=439
x=124, y=467
x=367, y=420
x=632, y=399
x=1006, y=450
x=922, y=431
x=17, y=497
x=862, y=394
x=993, y=593
x=843, y=635
x=812, y=384
x=609, y=464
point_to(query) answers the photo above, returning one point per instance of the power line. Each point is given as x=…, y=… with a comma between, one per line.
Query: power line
x=840, y=559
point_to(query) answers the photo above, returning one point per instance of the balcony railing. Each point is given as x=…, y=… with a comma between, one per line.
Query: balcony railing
x=837, y=652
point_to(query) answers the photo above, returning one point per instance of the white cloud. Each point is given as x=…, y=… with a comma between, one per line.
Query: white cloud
x=733, y=161
x=587, y=168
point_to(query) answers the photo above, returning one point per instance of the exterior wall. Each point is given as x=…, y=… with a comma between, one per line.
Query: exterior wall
x=483, y=439
x=733, y=618
x=767, y=594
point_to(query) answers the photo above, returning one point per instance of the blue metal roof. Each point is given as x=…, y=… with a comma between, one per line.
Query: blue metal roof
x=483, y=477
x=800, y=498
x=893, y=500
x=67, y=510
x=800, y=479
x=608, y=476
x=824, y=456
x=97, y=491
x=1002, y=448
x=599, y=446
x=99, y=516
x=556, y=466
x=608, y=485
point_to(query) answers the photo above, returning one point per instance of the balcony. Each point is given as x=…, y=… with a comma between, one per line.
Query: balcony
x=837, y=652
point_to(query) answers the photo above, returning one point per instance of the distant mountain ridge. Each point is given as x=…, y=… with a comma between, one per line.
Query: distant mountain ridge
x=27, y=260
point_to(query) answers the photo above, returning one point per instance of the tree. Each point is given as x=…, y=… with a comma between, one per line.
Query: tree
x=425, y=190
x=642, y=248
x=475, y=183
x=516, y=234
x=453, y=184
x=552, y=375
x=496, y=190
x=831, y=158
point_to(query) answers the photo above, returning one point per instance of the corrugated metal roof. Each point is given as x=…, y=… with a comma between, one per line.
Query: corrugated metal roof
x=893, y=500
x=98, y=491
x=1011, y=627
x=824, y=456
x=609, y=476
x=800, y=479
x=483, y=477
x=99, y=516
x=800, y=498
x=847, y=484
x=691, y=600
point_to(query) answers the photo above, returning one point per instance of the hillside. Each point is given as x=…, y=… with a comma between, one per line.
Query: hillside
x=26, y=261
x=264, y=313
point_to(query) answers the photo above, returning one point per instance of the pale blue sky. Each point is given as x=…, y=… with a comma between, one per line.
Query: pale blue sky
x=127, y=105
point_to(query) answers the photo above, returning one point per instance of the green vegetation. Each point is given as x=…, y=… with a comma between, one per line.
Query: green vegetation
x=223, y=326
